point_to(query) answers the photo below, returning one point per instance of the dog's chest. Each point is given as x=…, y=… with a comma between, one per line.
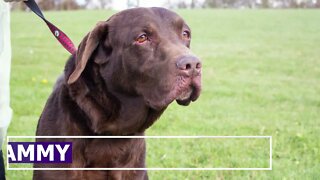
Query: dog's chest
x=115, y=153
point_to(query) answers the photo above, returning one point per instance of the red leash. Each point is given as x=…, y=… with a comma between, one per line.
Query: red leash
x=60, y=35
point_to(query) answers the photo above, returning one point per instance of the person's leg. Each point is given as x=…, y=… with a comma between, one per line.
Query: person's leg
x=5, y=64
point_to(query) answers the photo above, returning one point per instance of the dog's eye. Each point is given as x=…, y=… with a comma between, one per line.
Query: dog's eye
x=142, y=38
x=186, y=34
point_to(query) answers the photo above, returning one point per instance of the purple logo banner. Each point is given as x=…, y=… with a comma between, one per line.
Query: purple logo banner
x=39, y=152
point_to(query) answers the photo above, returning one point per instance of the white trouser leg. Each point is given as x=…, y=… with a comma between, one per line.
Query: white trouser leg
x=5, y=64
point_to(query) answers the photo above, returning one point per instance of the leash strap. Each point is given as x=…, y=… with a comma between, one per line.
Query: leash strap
x=60, y=35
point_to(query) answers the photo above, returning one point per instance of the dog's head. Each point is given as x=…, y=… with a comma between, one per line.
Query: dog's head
x=143, y=52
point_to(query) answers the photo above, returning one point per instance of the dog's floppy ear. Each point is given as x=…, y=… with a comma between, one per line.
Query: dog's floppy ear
x=86, y=49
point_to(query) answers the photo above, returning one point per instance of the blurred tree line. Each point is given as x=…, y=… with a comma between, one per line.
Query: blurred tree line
x=49, y=5
x=172, y=4
x=262, y=3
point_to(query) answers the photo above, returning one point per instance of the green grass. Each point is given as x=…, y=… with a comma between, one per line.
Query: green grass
x=261, y=71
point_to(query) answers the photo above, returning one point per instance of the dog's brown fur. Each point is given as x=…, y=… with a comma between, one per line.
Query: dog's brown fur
x=116, y=85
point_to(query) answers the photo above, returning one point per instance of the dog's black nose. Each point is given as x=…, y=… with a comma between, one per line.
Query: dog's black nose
x=189, y=64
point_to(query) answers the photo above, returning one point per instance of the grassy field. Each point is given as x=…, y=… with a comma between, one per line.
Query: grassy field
x=261, y=71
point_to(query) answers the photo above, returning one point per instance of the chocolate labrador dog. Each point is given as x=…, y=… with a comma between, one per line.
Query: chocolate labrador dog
x=126, y=72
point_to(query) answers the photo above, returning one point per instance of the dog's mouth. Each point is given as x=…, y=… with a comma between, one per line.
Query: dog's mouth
x=185, y=91
x=185, y=97
x=191, y=93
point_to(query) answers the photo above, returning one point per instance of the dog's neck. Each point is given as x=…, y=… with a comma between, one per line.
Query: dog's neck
x=107, y=110
x=111, y=113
